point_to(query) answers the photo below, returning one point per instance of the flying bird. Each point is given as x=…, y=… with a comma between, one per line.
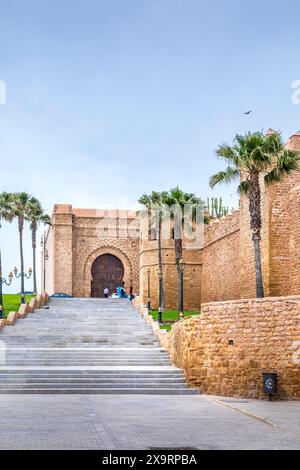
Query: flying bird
x=247, y=113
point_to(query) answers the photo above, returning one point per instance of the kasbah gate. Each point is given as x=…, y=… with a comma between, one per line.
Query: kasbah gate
x=236, y=334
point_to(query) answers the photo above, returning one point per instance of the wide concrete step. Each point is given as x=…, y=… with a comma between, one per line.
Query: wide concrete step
x=65, y=342
x=111, y=363
x=106, y=391
x=85, y=353
x=93, y=384
x=103, y=380
x=83, y=358
x=84, y=350
x=87, y=346
x=157, y=372
x=89, y=363
x=84, y=376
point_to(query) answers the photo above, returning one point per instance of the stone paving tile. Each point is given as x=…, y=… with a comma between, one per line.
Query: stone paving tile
x=136, y=422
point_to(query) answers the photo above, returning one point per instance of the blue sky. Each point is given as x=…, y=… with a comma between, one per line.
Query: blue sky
x=107, y=99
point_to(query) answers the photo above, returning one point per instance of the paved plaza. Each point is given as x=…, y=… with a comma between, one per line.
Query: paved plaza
x=143, y=422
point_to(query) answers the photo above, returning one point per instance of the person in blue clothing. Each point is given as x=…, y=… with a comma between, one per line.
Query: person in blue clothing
x=123, y=293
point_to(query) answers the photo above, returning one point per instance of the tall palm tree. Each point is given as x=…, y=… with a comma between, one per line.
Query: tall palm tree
x=154, y=202
x=6, y=207
x=21, y=209
x=176, y=199
x=35, y=215
x=6, y=213
x=252, y=156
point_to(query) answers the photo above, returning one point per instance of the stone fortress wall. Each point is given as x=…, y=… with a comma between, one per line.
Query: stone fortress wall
x=221, y=259
x=211, y=272
x=223, y=269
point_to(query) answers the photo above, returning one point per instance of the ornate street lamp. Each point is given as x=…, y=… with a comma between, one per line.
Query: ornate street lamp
x=8, y=283
x=149, y=293
x=23, y=275
x=159, y=315
x=45, y=258
x=181, y=270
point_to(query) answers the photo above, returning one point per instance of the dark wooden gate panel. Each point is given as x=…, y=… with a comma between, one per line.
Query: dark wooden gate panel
x=107, y=271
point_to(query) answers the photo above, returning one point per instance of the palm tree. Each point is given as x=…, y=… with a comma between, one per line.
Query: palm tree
x=177, y=200
x=6, y=213
x=6, y=207
x=154, y=202
x=21, y=209
x=35, y=215
x=250, y=158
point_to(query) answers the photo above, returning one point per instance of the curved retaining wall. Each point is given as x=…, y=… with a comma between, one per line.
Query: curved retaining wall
x=225, y=350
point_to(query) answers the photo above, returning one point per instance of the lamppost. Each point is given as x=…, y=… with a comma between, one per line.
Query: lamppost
x=3, y=281
x=181, y=270
x=159, y=315
x=23, y=275
x=149, y=293
x=45, y=258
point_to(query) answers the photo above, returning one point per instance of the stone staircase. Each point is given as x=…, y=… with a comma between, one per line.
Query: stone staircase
x=86, y=346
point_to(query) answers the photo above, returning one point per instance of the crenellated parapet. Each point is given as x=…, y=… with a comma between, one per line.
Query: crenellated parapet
x=220, y=228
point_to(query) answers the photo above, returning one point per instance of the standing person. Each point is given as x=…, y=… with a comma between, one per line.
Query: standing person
x=123, y=293
x=131, y=293
x=106, y=292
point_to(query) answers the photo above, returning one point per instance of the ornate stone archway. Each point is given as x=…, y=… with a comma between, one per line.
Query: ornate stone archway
x=128, y=273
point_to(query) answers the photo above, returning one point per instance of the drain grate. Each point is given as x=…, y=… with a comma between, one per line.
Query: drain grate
x=173, y=448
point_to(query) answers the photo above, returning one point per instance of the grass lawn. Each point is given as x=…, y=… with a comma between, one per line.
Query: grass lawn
x=12, y=302
x=171, y=315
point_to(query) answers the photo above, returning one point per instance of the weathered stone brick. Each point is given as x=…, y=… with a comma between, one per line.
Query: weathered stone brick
x=236, y=370
x=22, y=311
x=11, y=318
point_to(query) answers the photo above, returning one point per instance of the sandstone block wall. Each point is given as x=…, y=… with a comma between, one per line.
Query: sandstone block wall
x=294, y=242
x=78, y=236
x=223, y=268
x=211, y=272
x=221, y=260
x=266, y=338
x=284, y=231
x=192, y=275
x=62, y=248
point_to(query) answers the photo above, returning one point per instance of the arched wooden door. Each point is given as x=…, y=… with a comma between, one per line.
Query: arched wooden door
x=107, y=271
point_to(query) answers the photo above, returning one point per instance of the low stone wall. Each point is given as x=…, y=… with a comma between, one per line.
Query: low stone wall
x=35, y=303
x=163, y=335
x=225, y=350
